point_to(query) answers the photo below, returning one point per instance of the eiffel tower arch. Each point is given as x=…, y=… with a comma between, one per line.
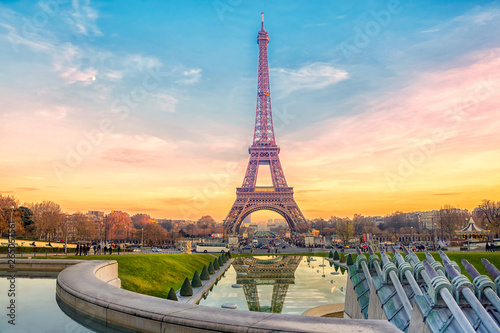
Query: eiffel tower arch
x=264, y=151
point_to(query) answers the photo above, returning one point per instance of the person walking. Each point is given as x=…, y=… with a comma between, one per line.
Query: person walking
x=105, y=249
x=77, y=249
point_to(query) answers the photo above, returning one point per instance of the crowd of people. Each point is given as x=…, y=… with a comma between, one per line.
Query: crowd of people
x=84, y=249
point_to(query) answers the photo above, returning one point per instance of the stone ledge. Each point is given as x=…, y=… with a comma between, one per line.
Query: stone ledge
x=79, y=287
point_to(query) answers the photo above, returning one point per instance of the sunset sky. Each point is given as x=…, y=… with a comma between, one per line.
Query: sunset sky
x=149, y=106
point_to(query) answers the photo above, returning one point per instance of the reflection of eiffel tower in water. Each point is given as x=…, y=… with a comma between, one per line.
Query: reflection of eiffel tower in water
x=279, y=272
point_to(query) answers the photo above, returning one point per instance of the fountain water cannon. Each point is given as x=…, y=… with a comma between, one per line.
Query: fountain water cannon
x=483, y=285
x=361, y=264
x=462, y=286
x=438, y=267
x=440, y=285
x=406, y=271
x=373, y=260
x=390, y=270
x=494, y=272
x=444, y=258
x=418, y=268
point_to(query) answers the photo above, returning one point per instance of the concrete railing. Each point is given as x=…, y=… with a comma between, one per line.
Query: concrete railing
x=91, y=287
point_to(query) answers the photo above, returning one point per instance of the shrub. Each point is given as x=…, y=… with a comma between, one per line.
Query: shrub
x=216, y=264
x=223, y=258
x=336, y=255
x=196, y=282
x=349, y=261
x=330, y=255
x=211, y=269
x=171, y=295
x=186, y=289
x=220, y=262
x=204, y=274
x=228, y=254
x=342, y=258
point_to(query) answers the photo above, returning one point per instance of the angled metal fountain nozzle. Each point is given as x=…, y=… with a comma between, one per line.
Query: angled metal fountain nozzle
x=429, y=269
x=405, y=250
x=470, y=269
x=443, y=256
x=429, y=257
x=358, y=251
x=452, y=272
x=370, y=250
x=393, y=250
x=490, y=268
x=414, y=257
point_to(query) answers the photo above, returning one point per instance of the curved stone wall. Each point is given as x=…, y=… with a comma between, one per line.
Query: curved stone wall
x=91, y=287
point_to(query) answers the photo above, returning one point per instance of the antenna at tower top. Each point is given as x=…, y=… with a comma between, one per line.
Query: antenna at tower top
x=262, y=21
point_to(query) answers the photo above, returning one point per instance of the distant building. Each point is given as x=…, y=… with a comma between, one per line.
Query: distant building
x=428, y=219
x=95, y=215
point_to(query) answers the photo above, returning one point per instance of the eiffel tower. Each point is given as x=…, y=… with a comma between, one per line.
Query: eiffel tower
x=264, y=151
x=278, y=272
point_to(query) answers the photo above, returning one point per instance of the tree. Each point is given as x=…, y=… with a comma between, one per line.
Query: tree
x=205, y=222
x=84, y=228
x=140, y=220
x=8, y=205
x=345, y=230
x=319, y=224
x=48, y=218
x=27, y=219
x=154, y=234
x=451, y=219
x=116, y=225
x=167, y=225
x=359, y=223
x=489, y=211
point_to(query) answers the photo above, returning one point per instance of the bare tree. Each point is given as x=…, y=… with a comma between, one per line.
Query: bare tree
x=154, y=234
x=48, y=218
x=450, y=219
x=345, y=230
x=85, y=229
x=489, y=211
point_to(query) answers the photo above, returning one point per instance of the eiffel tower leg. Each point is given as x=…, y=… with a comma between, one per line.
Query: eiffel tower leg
x=279, y=295
x=252, y=296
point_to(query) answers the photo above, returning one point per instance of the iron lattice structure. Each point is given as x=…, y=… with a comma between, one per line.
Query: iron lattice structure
x=264, y=151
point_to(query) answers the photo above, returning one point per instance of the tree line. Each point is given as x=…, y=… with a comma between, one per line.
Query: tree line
x=46, y=221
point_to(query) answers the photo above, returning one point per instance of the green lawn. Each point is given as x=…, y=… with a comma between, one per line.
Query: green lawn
x=154, y=274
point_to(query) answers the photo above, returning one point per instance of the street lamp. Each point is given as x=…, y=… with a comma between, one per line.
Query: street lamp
x=100, y=229
x=66, y=237
x=10, y=226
